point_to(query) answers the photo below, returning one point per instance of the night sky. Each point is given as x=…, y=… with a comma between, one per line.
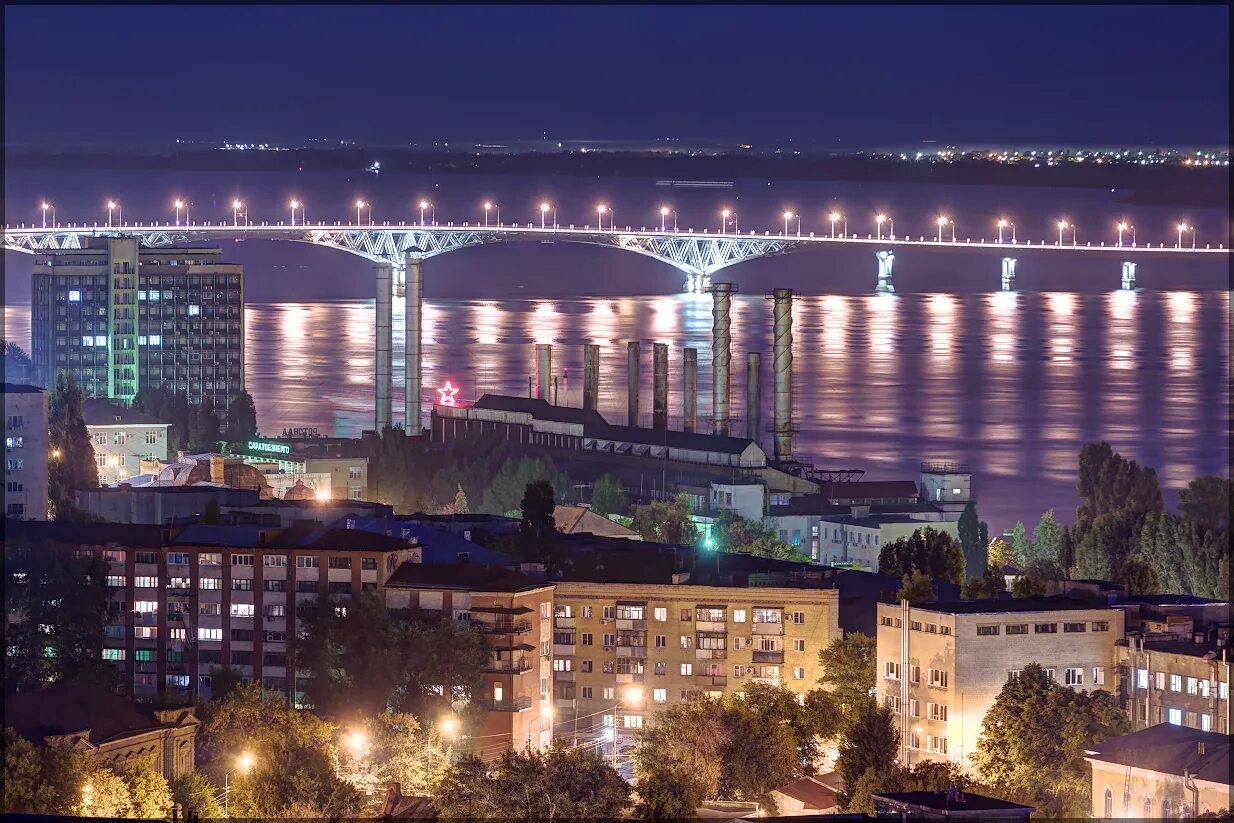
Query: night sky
x=838, y=77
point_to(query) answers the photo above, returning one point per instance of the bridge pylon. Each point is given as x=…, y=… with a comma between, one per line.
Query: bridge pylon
x=1008, y=274
x=886, y=259
x=1128, y=275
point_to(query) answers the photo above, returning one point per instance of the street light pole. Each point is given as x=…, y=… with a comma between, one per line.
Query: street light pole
x=235, y=212
x=1062, y=224
x=878, y=226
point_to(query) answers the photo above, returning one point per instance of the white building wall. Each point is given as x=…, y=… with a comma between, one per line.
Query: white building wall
x=119, y=449
x=25, y=454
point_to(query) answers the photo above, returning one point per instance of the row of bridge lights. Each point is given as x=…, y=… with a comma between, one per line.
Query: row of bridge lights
x=727, y=218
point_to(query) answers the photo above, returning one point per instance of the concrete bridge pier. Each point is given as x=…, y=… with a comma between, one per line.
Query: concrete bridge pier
x=591, y=376
x=412, y=302
x=721, y=340
x=1008, y=275
x=690, y=389
x=886, y=259
x=544, y=371
x=1129, y=275
x=659, y=386
x=783, y=367
x=633, y=349
x=385, y=346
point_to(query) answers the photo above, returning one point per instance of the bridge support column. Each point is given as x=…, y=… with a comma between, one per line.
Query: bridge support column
x=591, y=376
x=689, y=392
x=1128, y=275
x=783, y=356
x=754, y=391
x=544, y=371
x=1008, y=276
x=659, y=386
x=385, y=346
x=632, y=381
x=412, y=299
x=886, y=259
x=721, y=340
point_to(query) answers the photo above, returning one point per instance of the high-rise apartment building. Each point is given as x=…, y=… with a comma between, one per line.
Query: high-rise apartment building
x=25, y=452
x=122, y=317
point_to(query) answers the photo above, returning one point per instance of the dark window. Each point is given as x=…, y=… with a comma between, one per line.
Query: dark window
x=274, y=659
x=340, y=562
x=242, y=634
x=368, y=564
x=340, y=587
x=241, y=658
x=306, y=586
x=274, y=585
x=1045, y=628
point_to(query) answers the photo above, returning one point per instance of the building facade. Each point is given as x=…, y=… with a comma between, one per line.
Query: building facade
x=25, y=452
x=941, y=665
x=122, y=439
x=1162, y=772
x=122, y=317
x=332, y=468
x=623, y=651
x=1184, y=682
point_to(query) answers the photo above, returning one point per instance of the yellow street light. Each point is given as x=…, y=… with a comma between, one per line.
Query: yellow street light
x=245, y=762
x=56, y=453
x=356, y=742
x=448, y=726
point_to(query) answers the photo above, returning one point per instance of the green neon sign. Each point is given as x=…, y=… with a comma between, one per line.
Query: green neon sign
x=269, y=448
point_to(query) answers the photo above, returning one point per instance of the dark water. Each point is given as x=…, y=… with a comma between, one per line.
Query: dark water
x=1011, y=384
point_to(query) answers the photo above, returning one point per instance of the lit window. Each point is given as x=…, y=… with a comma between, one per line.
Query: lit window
x=74, y=295
x=194, y=310
x=100, y=340
x=156, y=340
x=687, y=669
x=87, y=341
x=154, y=295
x=1176, y=717
x=241, y=609
x=113, y=654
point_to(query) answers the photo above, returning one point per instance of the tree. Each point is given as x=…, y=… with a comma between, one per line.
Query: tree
x=459, y=506
x=18, y=367
x=537, y=509
x=1037, y=580
x=397, y=750
x=63, y=604
x=559, y=784
x=293, y=768
x=937, y=554
x=1033, y=739
x=103, y=794
x=28, y=787
x=609, y=496
x=1001, y=554
x=204, y=434
x=871, y=741
x=1020, y=543
x=850, y=669
x=71, y=464
x=1116, y=497
x=149, y=794
x=974, y=547
x=927, y=776
x=1047, y=539
x=509, y=484
x=989, y=585
x=241, y=418
x=680, y=759
x=737, y=535
x=194, y=794
x=224, y=680
x=916, y=588
x=666, y=522
x=1139, y=576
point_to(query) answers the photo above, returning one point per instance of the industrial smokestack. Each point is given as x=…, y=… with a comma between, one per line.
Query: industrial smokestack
x=721, y=338
x=544, y=371
x=690, y=390
x=632, y=353
x=659, y=384
x=591, y=376
x=783, y=362
x=754, y=390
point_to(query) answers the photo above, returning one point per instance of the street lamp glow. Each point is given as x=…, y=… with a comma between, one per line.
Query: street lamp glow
x=245, y=762
x=545, y=208
x=879, y=219
x=834, y=216
x=361, y=204
x=236, y=205
x=179, y=204
x=448, y=726
x=45, y=206
x=112, y=204
x=1062, y=224
x=633, y=695
x=322, y=495
x=664, y=213
x=295, y=204
x=942, y=221
x=487, y=206
x=600, y=209
x=356, y=742
x=424, y=204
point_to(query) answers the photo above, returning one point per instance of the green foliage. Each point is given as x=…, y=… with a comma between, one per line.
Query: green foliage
x=204, y=432
x=1187, y=554
x=740, y=536
x=870, y=742
x=1139, y=576
x=170, y=407
x=103, y=793
x=360, y=659
x=558, y=784
x=1033, y=739
x=35, y=779
x=63, y=603
x=916, y=588
x=609, y=496
x=1047, y=540
x=680, y=759
x=663, y=522
x=937, y=554
x=1037, y=580
x=224, y=680
x=149, y=794
x=194, y=793
x=971, y=540
x=397, y=750
x=15, y=356
x=537, y=508
x=71, y=463
x=927, y=776
x=1116, y=497
x=241, y=418
x=850, y=669
x=989, y=585
x=1001, y=554
x=292, y=754
x=509, y=484
x=1020, y=543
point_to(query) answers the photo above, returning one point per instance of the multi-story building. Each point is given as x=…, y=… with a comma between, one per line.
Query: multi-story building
x=25, y=452
x=215, y=596
x=123, y=317
x=122, y=438
x=941, y=665
x=334, y=468
x=624, y=650
x=1166, y=679
x=514, y=612
x=1163, y=772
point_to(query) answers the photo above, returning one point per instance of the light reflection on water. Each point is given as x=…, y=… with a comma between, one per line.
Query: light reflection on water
x=1012, y=384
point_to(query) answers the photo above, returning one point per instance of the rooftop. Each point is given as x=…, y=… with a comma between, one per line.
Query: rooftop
x=21, y=388
x=64, y=708
x=1014, y=605
x=942, y=801
x=84, y=534
x=539, y=409
x=99, y=412
x=461, y=577
x=1170, y=749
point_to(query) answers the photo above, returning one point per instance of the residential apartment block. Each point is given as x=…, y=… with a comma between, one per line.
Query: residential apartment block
x=941, y=665
x=122, y=317
x=122, y=439
x=25, y=452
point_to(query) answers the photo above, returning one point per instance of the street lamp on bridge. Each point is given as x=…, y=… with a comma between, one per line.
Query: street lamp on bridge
x=835, y=216
x=296, y=204
x=788, y=215
x=488, y=206
x=1182, y=227
x=236, y=205
x=1062, y=224
x=45, y=206
x=424, y=204
x=544, y=210
x=878, y=226
x=112, y=204
x=664, y=213
x=1002, y=224
x=724, y=221
x=600, y=209
x=942, y=221
x=1122, y=227
x=180, y=204
x=360, y=204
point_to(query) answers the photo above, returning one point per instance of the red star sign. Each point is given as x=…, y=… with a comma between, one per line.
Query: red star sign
x=449, y=394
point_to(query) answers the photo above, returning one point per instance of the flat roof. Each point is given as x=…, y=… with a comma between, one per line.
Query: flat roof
x=1012, y=605
x=479, y=577
x=99, y=412
x=941, y=800
x=1170, y=749
x=21, y=388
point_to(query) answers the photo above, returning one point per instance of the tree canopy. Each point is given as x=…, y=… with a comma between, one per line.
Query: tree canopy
x=241, y=418
x=850, y=669
x=71, y=463
x=734, y=534
x=974, y=546
x=870, y=742
x=609, y=496
x=937, y=554
x=666, y=522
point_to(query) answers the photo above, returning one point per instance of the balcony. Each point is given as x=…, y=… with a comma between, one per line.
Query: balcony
x=630, y=677
x=711, y=626
x=710, y=654
x=516, y=666
x=563, y=676
x=711, y=680
x=565, y=622
x=637, y=652
x=565, y=702
x=502, y=626
x=514, y=704
x=563, y=650
x=770, y=681
x=771, y=629
x=768, y=657
x=631, y=625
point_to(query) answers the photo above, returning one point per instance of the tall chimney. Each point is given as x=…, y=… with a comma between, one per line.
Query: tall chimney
x=591, y=376
x=754, y=390
x=632, y=352
x=659, y=384
x=690, y=390
x=544, y=371
x=721, y=337
x=783, y=361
